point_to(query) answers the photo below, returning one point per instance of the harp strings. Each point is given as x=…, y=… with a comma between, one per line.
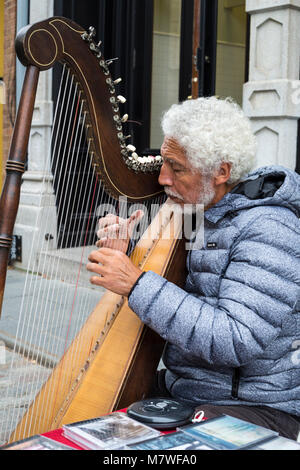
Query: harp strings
x=70, y=301
x=65, y=298
x=31, y=314
x=15, y=393
x=31, y=317
x=54, y=288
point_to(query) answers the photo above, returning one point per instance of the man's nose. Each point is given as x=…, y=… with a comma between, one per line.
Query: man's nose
x=165, y=178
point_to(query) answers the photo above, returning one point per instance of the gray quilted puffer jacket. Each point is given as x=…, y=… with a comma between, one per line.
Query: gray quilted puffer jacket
x=232, y=334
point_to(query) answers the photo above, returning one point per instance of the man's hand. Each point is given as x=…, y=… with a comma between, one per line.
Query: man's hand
x=114, y=270
x=115, y=232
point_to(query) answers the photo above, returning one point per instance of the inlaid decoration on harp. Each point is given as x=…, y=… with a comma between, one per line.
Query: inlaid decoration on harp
x=146, y=163
x=75, y=351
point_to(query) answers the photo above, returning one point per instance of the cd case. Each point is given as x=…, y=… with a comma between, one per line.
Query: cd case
x=278, y=443
x=174, y=441
x=228, y=433
x=37, y=442
x=108, y=432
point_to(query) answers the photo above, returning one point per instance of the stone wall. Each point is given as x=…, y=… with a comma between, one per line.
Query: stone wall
x=272, y=95
x=37, y=198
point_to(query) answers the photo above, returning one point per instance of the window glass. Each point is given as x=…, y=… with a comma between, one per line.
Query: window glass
x=165, y=63
x=231, y=49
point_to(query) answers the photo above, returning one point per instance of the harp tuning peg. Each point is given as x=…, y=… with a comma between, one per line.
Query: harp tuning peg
x=124, y=118
x=110, y=61
x=131, y=148
x=85, y=36
x=93, y=46
x=98, y=51
x=116, y=82
x=92, y=32
x=121, y=99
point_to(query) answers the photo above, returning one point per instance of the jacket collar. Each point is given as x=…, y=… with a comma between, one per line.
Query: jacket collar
x=228, y=204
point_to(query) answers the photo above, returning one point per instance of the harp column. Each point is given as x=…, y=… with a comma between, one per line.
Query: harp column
x=272, y=95
x=37, y=199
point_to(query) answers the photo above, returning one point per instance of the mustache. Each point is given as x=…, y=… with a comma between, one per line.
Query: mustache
x=170, y=192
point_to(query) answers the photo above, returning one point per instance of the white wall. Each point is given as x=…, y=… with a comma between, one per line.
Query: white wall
x=36, y=191
x=271, y=98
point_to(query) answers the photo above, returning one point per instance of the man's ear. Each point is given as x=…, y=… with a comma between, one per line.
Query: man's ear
x=223, y=173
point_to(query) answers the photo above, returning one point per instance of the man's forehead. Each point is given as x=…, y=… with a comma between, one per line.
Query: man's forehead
x=172, y=144
x=173, y=152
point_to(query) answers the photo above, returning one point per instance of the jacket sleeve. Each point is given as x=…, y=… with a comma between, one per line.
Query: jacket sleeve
x=257, y=291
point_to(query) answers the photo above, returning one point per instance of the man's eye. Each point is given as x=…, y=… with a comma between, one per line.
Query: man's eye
x=178, y=170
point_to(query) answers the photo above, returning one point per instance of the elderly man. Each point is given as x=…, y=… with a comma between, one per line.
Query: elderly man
x=232, y=333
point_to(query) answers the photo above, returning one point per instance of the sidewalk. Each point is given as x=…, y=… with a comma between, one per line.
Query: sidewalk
x=44, y=343
x=48, y=331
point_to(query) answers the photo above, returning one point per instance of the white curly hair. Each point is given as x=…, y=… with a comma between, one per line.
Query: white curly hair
x=212, y=131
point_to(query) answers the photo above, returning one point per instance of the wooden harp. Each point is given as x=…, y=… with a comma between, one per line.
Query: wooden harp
x=112, y=357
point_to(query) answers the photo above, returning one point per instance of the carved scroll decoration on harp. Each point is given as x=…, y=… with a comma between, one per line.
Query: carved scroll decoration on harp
x=112, y=358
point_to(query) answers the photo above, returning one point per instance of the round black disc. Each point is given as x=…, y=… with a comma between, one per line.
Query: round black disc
x=161, y=413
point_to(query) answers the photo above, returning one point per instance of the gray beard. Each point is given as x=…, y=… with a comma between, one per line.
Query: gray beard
x=205, y=198
x=207, y=194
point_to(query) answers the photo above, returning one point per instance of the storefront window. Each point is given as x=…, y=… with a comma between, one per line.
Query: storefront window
x=231, y=49
x=165, y=63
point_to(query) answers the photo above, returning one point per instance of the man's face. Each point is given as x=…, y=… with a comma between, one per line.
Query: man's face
x=182, y=183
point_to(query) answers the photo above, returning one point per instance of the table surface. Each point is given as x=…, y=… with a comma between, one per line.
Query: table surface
x=57, y=435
